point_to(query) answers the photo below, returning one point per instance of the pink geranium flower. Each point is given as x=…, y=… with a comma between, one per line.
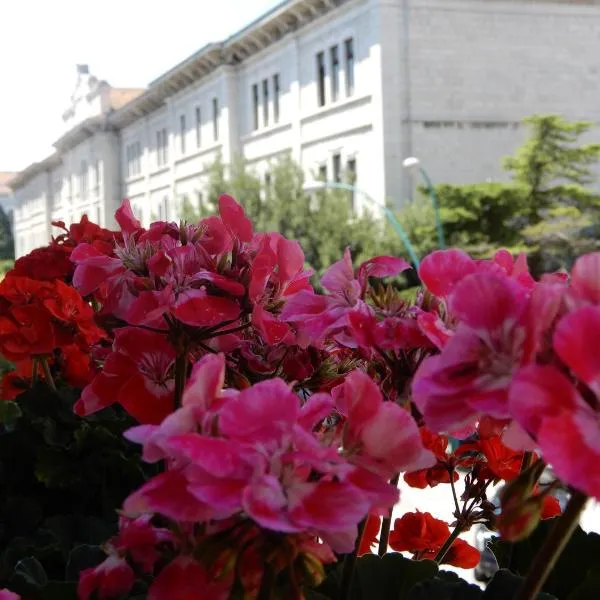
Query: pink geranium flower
x=549, y=406
x=501, y=326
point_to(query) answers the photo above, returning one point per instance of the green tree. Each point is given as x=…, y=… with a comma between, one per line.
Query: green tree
x=323, y=223
x=547, y=208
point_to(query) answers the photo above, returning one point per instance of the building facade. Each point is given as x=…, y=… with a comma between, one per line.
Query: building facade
x=340, y=85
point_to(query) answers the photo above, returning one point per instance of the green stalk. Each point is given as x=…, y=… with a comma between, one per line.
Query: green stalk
x=47, y=374
x=553, y=546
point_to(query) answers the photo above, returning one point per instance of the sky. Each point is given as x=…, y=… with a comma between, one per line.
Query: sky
x=126, y=42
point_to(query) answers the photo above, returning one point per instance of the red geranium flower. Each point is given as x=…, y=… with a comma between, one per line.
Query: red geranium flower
x=370, y=533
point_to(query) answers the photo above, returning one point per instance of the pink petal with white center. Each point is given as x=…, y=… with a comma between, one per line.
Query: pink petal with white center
x=576, y=339
x=392, y=437
x=206, y=381
x=441, y=270
x=326, y=505
x=266, y=503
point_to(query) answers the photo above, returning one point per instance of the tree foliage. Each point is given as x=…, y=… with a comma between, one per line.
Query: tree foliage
x=547, y=208
x=7, y=248
x=324, y=223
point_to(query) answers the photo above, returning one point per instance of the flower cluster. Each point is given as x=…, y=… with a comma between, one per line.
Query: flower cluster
x=279, y=419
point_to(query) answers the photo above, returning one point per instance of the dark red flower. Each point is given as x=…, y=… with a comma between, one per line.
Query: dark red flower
x=463, y=555
x=370, y=533
x=418, y=532
x=138, y=374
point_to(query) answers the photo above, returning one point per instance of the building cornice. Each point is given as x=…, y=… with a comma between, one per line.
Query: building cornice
x=82, y=131
x=285, y=18
x=34, y=169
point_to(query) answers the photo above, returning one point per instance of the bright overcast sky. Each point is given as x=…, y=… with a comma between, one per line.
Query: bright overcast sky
x=126, y=42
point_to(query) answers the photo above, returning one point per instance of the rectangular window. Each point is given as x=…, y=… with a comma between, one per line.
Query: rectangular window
x=349, y=51
x=159, y=161
x=182, y=134
x=351, y=168
x=198, y=127
x=134, y=155
x=323, y=173
x=255, y=102
x=276, y=91
x=335, y=73
x=215, y=115
x=321, y=78
x=165, y=146
x=337, y=168
x=265, y=101
x=97, y=174
x=83, y=179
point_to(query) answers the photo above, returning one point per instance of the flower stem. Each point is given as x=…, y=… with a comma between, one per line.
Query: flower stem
x=386, y=524
x=439, y=557
x=553, y=546
x=350, y=562
x=181, y=363
x=47, y=374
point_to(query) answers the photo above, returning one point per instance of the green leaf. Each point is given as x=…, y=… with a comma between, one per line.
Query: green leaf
x=446, y=586
x=83, y=557
x=9, y=414
x=589, y=589
x=32, y=571
x=580, y=557
x=389, y=577
x=505, y=585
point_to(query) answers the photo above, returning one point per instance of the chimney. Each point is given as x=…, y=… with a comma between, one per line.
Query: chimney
x=83, y=69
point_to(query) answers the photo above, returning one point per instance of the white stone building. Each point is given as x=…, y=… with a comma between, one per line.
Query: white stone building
x=339, y=84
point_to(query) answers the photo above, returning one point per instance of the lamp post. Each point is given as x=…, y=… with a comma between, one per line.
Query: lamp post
x=412, y=163
x=315, y=186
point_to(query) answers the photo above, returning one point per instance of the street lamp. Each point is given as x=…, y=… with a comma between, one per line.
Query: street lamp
x=315, y=186
x=412, y=163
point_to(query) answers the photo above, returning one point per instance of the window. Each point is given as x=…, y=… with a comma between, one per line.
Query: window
x=337, y=168
x=162, y=148
x=97, y=174
x=198, y=127
x=182, y=134
x=321, y=79
x=335, y=73
x=351, y=169
x=215, y=116
x=276, y=90
x=265, y=101
x=349, y=50
x=134, y=154
x=83, y=178
x=323, y=173
x=255, y=106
